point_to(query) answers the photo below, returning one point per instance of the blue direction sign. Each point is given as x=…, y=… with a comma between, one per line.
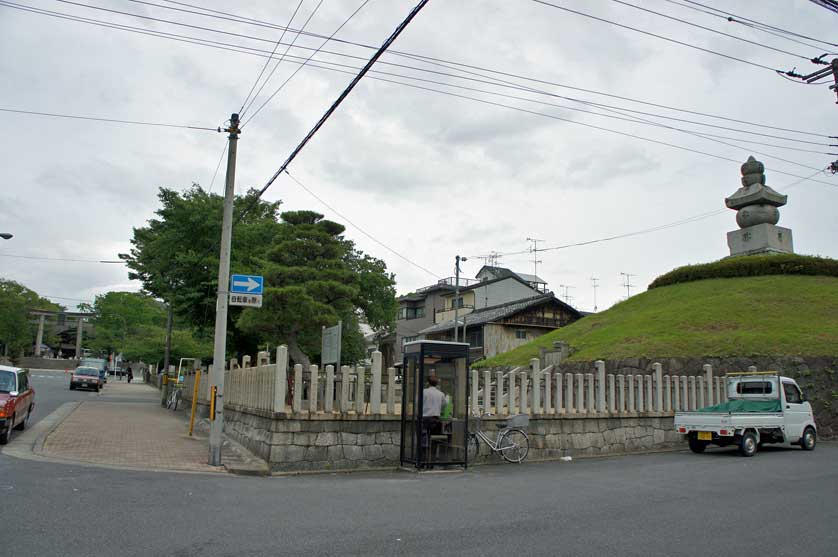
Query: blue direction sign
x=246, y=284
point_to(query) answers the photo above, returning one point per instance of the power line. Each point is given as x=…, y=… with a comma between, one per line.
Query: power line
x=733, y=18
x=705, y=136
x=278, y=89
x=217, y=166
x=59, y=259
x=66, y=298
x=268, y=61
x=291, y=44
x=109, y=120
x=584, y=124
x=401, y=27
x=573, y=121
x=673, y=18
x=680, y=222
x=361, y=230
x=425, y=59
x=662, y=37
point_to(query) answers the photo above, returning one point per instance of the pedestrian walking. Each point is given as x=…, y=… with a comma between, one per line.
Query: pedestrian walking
x=130, y=373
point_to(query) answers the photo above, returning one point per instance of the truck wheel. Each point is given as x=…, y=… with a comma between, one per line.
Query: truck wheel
x=697, y=446
x=748, y=445
x=807, y=442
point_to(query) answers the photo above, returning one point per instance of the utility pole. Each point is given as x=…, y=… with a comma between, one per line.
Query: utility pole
x=534, y=251
x=595, y=284
x=627, y=284
x=168, y=350
x=457, y=260
x=219, y=354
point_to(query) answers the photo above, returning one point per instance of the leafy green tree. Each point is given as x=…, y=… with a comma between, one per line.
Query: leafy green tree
x=134, y=324
x=17, y=330
x=175, y=256
x=314, y=278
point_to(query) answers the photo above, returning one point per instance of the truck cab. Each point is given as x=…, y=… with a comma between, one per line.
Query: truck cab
x=761, y=408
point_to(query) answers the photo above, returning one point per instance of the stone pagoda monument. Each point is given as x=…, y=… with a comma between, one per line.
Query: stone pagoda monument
x=757, y=215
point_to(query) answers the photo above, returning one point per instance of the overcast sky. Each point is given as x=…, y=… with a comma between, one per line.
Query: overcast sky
x=429, y=175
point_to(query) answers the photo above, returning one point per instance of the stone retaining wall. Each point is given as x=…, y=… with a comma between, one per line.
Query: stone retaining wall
x=309, y=443
x=301, y=443
x=817, y=376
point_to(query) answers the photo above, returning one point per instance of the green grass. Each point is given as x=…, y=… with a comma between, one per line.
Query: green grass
x=754, y=316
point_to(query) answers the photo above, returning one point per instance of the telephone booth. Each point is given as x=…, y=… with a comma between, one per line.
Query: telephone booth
x=429, y=440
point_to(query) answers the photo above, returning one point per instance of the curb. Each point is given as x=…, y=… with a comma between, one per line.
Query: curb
x=60, y=414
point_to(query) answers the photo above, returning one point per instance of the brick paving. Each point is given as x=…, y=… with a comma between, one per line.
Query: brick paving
x=126, y=426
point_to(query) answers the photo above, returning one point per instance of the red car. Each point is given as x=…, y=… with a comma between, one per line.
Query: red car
x=86, y=377
x=17, y=400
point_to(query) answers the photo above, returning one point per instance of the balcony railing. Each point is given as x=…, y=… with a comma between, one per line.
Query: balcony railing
x=536, y=321
x=449, y=281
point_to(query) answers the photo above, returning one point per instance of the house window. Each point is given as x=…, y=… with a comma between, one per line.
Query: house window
x=405, y=340
x=521, y=334
x=458, y=302
x=411, y=313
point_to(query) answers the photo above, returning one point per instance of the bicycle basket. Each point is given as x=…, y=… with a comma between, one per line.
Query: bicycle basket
x=520, y=421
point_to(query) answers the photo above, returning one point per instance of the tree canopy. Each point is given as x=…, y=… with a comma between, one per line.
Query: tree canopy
x=175, y=256
x=134, y=324
x=314, y=276
x=17, y=328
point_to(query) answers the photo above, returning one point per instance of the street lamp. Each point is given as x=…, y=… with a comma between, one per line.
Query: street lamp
x=6, y=235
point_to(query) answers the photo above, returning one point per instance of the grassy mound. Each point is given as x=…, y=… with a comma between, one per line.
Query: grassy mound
x=751, y=266
x=754, y=316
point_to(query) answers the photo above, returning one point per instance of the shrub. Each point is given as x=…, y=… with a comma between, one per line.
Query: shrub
x=751, y=266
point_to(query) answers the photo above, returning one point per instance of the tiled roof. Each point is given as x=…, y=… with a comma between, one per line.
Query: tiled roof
x=496, y=313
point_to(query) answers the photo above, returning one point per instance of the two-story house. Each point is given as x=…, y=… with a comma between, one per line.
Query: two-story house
x=495, y=329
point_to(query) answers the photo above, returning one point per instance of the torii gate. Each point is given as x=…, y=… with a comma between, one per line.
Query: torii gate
x=43, y=314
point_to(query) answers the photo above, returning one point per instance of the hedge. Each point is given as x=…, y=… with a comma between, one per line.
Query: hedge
x=751, y=266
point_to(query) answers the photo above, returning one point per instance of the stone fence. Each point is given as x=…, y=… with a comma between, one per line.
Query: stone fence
x=323, y=419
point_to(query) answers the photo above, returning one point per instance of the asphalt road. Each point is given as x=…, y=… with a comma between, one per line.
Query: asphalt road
x=781, y=502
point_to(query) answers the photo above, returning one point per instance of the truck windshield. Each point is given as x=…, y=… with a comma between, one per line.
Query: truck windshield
x=754, y=388
x=7, y=381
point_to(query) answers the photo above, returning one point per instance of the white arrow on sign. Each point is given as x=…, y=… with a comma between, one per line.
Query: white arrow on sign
x=249, y=283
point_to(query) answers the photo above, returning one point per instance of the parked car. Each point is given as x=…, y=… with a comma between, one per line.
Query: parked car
x=761, y=408
x=85, y=377
x=17, y=400
x=99, y=364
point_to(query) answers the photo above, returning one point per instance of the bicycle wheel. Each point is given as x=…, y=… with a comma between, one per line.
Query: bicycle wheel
x=473, y=447
x=514, y=445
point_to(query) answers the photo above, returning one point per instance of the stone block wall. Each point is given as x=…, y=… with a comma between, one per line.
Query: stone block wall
x=573, y=436
x=289, y=442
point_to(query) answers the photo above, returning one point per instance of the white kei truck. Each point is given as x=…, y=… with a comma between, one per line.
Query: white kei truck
x=761, y=408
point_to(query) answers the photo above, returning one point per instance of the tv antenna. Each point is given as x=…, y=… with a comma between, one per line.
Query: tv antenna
x=534, y=251
x=627, y=283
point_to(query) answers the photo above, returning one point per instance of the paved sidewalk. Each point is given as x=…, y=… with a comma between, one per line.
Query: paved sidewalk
x=126, y=427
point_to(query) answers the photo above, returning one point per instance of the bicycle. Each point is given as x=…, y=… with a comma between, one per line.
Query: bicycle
x=511, y=442
x=174, y=398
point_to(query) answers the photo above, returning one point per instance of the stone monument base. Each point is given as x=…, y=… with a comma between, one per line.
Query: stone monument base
x=760, y=238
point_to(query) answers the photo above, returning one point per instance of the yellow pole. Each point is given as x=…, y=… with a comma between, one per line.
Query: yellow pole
x=194, y=401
